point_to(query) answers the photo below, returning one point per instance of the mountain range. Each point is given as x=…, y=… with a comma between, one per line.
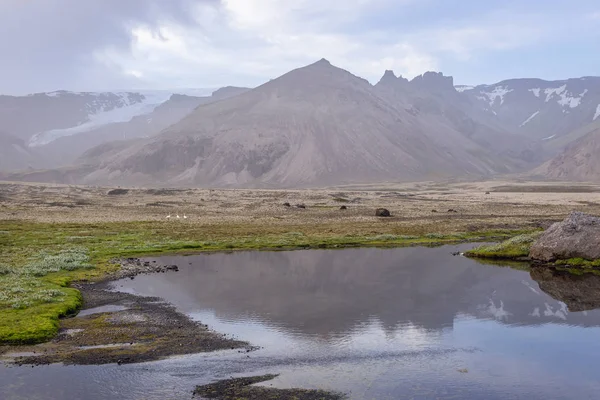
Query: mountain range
x=316, y=125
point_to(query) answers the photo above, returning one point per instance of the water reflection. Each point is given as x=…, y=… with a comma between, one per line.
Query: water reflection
x=578, y=292
x=377, y=324
x=329, y=294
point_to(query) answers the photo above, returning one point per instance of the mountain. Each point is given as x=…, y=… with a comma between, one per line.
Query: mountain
x=14, y=153
x=40, y=117
x=316, y=125
x=65, y=150
x=578, y=162
x=63, y=125
x=538, y=109
x=433, y=96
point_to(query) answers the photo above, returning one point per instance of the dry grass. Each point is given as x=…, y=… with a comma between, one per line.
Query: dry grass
x=411, y=205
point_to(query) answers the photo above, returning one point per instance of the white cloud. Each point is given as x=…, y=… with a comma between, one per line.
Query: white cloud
x=256, y=40
x=247, y=42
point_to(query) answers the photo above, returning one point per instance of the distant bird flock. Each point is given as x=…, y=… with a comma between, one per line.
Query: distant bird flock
x=177, y=216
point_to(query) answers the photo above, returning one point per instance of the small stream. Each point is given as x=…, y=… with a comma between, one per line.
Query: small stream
x=408, y=323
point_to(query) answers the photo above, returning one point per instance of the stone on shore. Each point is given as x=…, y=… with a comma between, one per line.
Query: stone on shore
x=578, y=236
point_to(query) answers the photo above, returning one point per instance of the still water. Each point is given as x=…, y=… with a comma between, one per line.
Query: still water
x=410, y=323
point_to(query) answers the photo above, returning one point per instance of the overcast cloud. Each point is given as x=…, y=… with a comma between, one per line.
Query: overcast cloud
x=134, y=44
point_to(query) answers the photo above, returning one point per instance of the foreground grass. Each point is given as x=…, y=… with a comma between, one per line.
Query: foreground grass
x=40, y=260
x=514, y=248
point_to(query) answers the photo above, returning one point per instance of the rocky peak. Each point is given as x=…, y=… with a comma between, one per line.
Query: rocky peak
x=434, y=82
x=389, y=79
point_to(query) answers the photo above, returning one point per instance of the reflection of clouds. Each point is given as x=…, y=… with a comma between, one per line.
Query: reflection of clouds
x=536, y=312
x=559, y=313
x=530, y=287
x=498, y=313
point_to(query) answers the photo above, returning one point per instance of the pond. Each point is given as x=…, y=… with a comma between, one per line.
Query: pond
x=414, y=323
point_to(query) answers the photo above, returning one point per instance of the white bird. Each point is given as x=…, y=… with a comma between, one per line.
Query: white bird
x=184, y=216
x=177, y=216
x=168, y=216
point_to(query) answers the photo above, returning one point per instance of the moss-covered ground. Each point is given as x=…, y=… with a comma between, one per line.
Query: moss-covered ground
x=514, y=248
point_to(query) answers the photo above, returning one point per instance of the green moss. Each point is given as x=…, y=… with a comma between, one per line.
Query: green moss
x=579, y=262
x=513, y=248
x=41, y=259
x=37, y=323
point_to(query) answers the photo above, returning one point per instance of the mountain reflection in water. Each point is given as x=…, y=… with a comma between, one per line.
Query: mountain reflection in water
x=331, y=292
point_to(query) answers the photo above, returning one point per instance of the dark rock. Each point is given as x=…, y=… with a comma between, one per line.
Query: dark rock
x=382, y=212
x=300, y=206
x=343, y=208
x=117, y=192
x=487, y=192
x=452, y=210
x=287, y=205
x=578, y=236
x=434, y=211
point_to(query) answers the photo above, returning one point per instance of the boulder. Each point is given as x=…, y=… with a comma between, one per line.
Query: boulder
x=578, y=236
x=382, y=212
x=343, y=208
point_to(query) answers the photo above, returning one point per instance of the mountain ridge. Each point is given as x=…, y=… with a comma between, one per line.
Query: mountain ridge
x=322, y=125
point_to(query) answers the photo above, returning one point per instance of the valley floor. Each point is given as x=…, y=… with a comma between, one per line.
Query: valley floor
x=53, y=235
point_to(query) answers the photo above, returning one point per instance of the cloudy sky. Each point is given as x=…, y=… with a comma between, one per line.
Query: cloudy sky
x=154, y=44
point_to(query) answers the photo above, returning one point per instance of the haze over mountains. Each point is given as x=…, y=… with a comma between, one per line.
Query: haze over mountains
x=316, y=125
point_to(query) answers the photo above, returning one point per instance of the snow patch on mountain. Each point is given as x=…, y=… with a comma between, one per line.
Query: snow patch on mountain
x=101, y=114
x=499, y=91
x=530, y=118
x=566, y=99
x=597, y=113
x=463, y=88
x=550, y=92
x=549, y=137
x=536, y=92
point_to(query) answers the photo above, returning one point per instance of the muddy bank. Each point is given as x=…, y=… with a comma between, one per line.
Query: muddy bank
x=132, y=267
x=241, y=389
x=122, y=328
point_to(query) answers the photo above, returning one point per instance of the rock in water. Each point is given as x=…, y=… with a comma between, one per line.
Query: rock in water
x=382, y=212
x=578, y=236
